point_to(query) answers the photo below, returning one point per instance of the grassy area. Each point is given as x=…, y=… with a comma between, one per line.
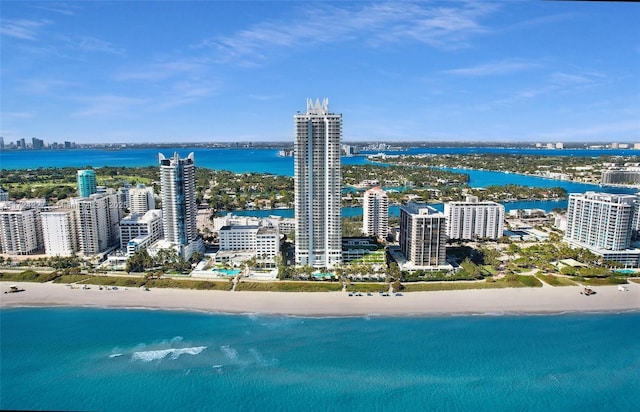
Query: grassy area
x=611, y=280
x=635, y=280
x=289, y=286
x=116, y=281
x=512, y=281
x=71, y=278
x=556, y=280
x=379, y=256
x=190, y=284
x=106, y=180
x=368, y=287
x=434, y=286
x=28, y=276
x=490, y=270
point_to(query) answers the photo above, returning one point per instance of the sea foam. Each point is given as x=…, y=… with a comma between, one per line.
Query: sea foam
x=173, y=353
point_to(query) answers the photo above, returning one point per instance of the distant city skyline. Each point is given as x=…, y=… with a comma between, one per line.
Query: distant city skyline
x=155, y=72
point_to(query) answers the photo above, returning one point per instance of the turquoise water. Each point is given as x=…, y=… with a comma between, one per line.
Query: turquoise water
x=267, y=161
x=239, y=160
x=115, y=360
x=394, y=210
x=234, y=160
x=227, y=272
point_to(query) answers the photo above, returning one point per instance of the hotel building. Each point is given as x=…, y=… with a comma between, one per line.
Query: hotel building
x=423, y=235
x=375, y=210
x=318, y=185
x=472, y=219
x=263, y=241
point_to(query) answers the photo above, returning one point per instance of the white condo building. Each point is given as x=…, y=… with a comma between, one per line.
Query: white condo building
x=59, y=232
x=179, y=209
x=472, y=219
x=20, y=230
x=98, y=218
x=375, y=211
x=423, y=235
x=141, y=199
x=600, y=220
x=140, y=229
x=318, y=185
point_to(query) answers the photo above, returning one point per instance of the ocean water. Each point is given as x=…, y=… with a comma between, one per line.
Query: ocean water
x=234, y=160
x=114, y=360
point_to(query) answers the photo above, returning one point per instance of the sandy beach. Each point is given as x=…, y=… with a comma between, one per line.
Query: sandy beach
x=488, y=301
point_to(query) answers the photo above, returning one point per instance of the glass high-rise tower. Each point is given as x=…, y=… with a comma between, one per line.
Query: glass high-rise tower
x=178, y=194
x=86, y=183
x=318, y=185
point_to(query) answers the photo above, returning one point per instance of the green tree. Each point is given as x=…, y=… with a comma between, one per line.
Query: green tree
x=139, y=261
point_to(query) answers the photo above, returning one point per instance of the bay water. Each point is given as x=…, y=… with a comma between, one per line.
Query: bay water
x=261, y=160
x=119, y=359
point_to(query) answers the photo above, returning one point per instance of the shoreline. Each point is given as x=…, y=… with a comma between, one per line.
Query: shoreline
x=476, y=302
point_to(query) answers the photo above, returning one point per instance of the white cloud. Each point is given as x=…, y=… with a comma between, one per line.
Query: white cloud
x=266, y=97
x=44, y=86
x=22, y=29
x=91, y=44
x=107, y=105
x=445, y=27
x=494, y=68
x=16, y=115
x=161, y=71
x=60, y=8
x=185, y=92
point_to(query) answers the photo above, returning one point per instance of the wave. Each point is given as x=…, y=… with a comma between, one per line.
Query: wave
x=173, y=353
x=231, y=353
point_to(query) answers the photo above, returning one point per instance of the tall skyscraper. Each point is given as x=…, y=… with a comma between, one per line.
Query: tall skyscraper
x=178, y=194
x=318, y=184
x=86, y=183
x=474, y=220
x=423, y=235
x=375, y=212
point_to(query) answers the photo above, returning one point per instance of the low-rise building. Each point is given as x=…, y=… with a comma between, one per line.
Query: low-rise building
x=139, y=230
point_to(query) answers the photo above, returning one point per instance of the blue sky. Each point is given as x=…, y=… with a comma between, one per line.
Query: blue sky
x=147, y=71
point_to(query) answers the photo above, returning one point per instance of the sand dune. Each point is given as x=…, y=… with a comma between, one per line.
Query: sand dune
x=487, y=301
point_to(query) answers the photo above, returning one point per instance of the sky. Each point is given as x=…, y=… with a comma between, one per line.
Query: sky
x=213, y=71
